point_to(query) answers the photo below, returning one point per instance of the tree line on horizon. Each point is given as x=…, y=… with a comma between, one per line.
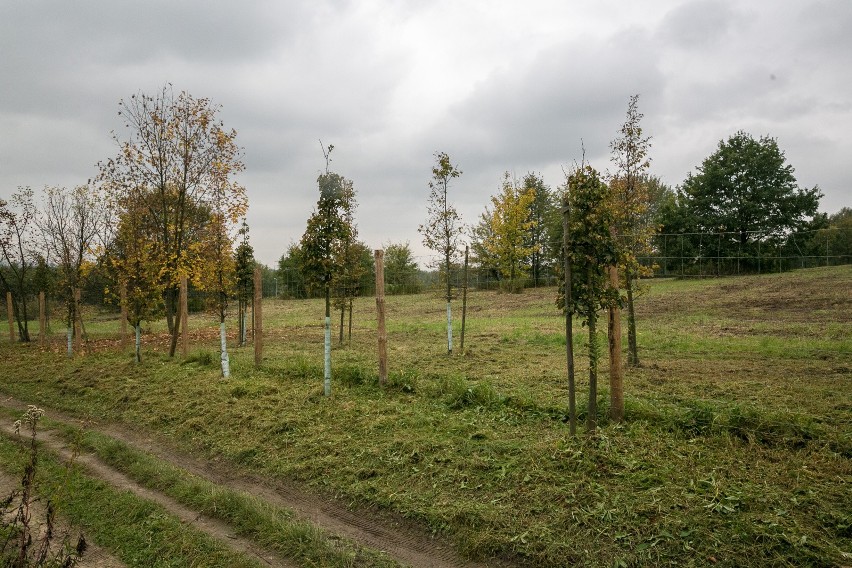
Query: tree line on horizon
x=167, y=206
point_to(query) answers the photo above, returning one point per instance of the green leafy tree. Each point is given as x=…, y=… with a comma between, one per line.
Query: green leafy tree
x=349, y=259
x=631, y=202
x=244, y=265
x=401, y=270
x=326, y=231
x=545, y=234
x=290, y=274
x=827, y=239
x=593, y=248
x=509, y=241
x=481, y=233
x=443, y=229
x=839, y=236
x=746, y=191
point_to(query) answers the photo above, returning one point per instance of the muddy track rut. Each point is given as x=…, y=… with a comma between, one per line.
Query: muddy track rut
x=400, y=539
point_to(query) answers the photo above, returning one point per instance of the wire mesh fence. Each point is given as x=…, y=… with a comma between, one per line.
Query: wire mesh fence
x=683, y=255
x=751, y=252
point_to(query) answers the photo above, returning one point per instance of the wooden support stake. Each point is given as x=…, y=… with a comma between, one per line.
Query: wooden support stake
x=380, y=312
x=257, y=317
x=78, y=329
x=123, y=325
x=42, y=320
x=184, y=317
x=11, y=311
x=616, y=371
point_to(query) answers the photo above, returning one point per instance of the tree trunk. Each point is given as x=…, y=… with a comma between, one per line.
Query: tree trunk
x=632, y=349
x=327, y=352
x=244, y=324
x=380, y=316
x=223, y=338
x=342, y=320
x=23, y=322
x=257, y=318
x=123, y=325
x=464, y=301
x=449, y=329
x=592, y=416
x=10, y=311
x=172, y=321
x=138, y=344
x=184, y=317
x=15, y=311
x=349, y=335
x=569, y=327
x=42, y=320
x=169, y=303
x=449, y=308
x=616, y=376
x=78, y=322
x=240, y=323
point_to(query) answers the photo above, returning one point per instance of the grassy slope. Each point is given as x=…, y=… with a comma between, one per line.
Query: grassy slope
x=737, y=446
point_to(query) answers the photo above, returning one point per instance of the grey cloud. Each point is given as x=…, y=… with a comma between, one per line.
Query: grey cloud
x=698, y=24
x=288, y=73
x=535, y=114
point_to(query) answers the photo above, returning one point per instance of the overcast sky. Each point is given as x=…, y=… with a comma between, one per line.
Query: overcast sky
x=498, y=85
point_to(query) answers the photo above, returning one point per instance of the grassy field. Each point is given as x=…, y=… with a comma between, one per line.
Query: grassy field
x=737, y=448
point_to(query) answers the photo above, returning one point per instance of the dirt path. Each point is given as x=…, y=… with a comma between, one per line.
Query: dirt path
x=397, y=537
x=217, y=529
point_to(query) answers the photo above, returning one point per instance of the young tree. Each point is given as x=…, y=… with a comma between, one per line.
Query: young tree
x=481, y=233
x=400, y=269
x=219, y=274
x=16, y=246
x=292, y=283
x=181, y=152
x=71, y=222
x=244, y=266
x=131, y=258
x=354, y=272
x=544, y=236
x=510, y=225
x=631, y=204
x=327, y=229
x=744, y=191
x=349, y=259
x=833, y=241
x=443, y=229
x=44, y=279
x=593, y=250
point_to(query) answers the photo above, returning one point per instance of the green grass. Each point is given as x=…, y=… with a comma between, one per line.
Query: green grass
x=146, y=534
x=736, y=445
